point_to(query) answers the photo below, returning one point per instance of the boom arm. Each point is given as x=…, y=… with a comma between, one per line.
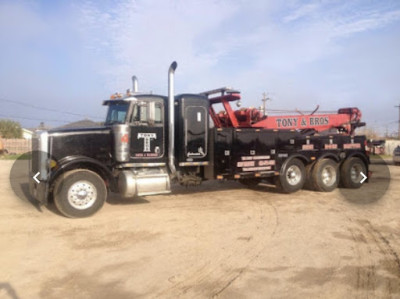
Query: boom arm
x=345, y=120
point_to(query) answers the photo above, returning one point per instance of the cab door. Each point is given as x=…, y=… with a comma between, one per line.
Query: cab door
x=195, y=132
x=147, y=130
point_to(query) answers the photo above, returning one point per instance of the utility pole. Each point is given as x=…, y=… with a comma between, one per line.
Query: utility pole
x=398, y=132
x=264, y=100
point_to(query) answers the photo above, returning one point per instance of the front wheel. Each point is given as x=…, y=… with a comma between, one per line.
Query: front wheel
x=292, y=176
x=79, y=193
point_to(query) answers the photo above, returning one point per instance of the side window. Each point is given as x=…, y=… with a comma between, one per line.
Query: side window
x=158, y=119
x=140, y=114
x=143, y=113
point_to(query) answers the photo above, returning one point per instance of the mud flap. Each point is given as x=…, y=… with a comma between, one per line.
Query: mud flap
x=39, y=191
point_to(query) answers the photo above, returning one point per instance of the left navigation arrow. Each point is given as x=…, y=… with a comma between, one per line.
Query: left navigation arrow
x=35, y=178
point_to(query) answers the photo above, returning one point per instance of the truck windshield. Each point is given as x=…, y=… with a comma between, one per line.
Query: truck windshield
x=117, y=113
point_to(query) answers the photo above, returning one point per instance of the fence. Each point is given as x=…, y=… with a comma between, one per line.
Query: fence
x=17, y=146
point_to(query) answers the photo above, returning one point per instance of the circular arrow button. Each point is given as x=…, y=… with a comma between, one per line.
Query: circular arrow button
x=373, y=186
x=26, y=177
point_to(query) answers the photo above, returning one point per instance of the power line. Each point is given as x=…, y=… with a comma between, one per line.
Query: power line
x=30, y=118
x=46, y=109
x=297, y=111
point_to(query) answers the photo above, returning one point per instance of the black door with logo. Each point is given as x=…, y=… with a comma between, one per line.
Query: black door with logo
x=195, y=132
x=147, y=132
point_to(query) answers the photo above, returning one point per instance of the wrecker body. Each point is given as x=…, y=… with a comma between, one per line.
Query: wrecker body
x=149, y=141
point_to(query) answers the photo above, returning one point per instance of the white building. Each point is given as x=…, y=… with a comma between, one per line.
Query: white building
x=26, y=134
x=390, y=145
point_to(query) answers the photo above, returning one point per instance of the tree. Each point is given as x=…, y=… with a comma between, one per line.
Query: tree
x=370, y=133
x=10, y=129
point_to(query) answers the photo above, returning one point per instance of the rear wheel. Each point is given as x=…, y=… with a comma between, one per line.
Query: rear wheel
x=79, y=193
x=350, y=172
x=325, y=175
x=292, y=177
x=308, y=184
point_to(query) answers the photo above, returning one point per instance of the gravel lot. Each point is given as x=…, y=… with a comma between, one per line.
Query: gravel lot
x=217, y=240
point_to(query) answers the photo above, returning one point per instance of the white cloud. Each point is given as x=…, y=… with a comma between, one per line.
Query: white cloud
x=302, y=11
x=145, y=36
x=291, y=48
x=368, y=21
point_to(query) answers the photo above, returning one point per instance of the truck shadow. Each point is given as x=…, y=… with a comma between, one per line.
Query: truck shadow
x=19, y=181
x=117, y=199
x=9, y=291
x=22, y=191
x=207, y=186
x=211, y=186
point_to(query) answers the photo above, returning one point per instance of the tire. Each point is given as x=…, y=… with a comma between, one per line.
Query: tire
x=250, y=182
x=79, y=193
x=325, y=175
x=308, y=185
x=292, y=177
x=350, y=173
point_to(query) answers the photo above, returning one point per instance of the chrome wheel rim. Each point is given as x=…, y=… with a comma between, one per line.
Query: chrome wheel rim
x=328, y=175
x=355, y=173
x=82, y=195
x=293, y=175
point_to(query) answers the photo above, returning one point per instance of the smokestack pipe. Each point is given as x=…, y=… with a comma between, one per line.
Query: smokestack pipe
x=171, y=123
x=135, y=84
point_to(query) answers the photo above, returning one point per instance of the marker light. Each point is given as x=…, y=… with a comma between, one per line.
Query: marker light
x=116, y=96
x=52, y=163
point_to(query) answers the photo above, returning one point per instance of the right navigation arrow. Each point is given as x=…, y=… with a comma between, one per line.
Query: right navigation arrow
x=364, y=177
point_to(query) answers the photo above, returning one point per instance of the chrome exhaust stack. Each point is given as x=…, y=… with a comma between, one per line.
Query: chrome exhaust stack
x=135, y=84
x=171, y=122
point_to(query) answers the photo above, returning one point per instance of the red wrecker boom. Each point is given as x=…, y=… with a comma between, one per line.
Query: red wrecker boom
x=346, y=120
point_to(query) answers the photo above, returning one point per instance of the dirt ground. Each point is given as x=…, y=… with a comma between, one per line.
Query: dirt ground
x=217, y=240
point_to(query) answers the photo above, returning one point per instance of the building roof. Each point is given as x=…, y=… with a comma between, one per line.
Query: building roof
x=85, y=123
x=27, y=131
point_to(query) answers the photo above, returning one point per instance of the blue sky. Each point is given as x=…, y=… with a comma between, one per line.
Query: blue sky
x=70, y=55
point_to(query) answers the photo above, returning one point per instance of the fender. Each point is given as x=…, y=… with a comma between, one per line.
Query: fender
x=69, y=162
x=360, y=155
x=330, y=156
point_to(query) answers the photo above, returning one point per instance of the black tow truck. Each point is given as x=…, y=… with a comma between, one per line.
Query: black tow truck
x=149, y=141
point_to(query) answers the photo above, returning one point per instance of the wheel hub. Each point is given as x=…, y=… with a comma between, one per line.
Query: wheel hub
x=355, y=173
x=328, y=175
x=293, y=175
x=82, y=195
